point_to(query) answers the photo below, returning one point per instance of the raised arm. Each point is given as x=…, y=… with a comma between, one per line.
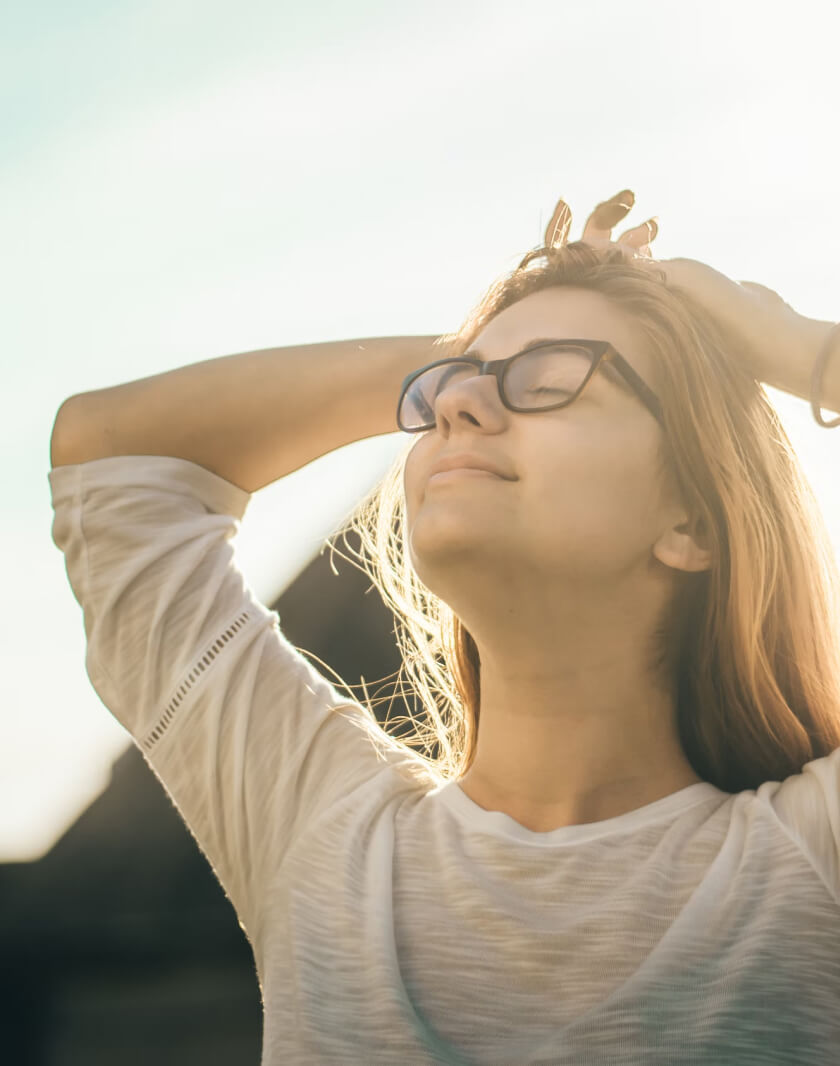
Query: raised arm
x=249, y=418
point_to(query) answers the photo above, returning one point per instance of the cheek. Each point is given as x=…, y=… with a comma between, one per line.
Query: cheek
x=599, y=505
x=414, y=464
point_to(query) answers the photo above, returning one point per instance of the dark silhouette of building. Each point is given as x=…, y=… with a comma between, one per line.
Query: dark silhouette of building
x=119, y=946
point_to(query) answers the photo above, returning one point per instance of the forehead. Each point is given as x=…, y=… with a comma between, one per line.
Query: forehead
x=564, y=312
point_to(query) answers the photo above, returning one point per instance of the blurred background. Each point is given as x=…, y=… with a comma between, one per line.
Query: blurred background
x=184, y=180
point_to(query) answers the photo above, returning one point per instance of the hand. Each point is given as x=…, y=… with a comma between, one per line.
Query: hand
x=775, y=344
x=598, y=227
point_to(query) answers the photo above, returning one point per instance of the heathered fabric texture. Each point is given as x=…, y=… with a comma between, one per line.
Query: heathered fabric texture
x=392, y=919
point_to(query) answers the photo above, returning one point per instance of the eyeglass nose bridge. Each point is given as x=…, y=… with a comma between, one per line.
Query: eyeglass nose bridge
x=490, y=368
x=497, y=368
x=484, y=368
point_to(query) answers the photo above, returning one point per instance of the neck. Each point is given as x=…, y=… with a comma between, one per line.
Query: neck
x=572, y=742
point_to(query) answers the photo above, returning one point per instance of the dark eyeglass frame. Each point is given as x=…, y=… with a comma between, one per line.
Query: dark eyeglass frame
x=602, y=351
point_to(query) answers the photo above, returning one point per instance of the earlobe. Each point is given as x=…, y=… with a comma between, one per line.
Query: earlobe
x=678, y=549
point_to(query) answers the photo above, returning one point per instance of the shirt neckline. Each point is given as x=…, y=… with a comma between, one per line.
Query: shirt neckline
x=496, y=823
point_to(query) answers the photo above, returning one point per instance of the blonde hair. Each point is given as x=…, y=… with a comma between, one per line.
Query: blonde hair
x=752, y=645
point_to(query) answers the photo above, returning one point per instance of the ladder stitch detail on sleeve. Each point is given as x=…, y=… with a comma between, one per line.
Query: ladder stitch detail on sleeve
x=191, y=678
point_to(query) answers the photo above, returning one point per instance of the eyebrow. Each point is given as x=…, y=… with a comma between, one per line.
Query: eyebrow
x=610, y=371
x=531, y=344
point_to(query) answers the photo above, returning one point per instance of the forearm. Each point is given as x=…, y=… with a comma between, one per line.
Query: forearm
x=772, y=341
x=794, y=374
x=250, y=418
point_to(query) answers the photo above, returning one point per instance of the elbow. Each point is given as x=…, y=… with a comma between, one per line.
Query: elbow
x=65, y=432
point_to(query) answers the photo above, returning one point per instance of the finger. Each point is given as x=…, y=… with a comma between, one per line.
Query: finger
x=640, y=237
x=608, y=214
x=557, y=230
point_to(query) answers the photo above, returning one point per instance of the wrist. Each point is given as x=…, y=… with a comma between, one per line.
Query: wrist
x=824, y=385
x=792, y=368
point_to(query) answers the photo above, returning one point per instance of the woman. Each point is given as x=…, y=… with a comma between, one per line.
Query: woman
x=625, y=846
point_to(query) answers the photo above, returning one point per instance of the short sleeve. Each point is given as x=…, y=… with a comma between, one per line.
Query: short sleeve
x=250, y=741
x=808, y=804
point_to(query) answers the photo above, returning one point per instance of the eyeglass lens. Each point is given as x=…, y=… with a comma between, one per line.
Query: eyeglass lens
x=541, y=378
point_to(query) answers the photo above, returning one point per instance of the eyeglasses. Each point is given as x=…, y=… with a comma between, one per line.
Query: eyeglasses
x=542, y=377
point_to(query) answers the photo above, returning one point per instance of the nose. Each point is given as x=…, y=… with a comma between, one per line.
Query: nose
x=475, y=400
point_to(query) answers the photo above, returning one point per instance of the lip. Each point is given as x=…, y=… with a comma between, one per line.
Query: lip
x=463, y=461
x=462, y=471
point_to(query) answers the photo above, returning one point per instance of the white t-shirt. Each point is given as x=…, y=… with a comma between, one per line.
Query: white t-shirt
x=392, y=919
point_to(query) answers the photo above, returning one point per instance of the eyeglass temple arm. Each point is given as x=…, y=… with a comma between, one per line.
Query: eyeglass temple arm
x=647, y=395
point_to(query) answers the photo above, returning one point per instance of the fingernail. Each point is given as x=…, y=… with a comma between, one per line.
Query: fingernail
x=626, y=196
x=654, y=226
x=610, y=213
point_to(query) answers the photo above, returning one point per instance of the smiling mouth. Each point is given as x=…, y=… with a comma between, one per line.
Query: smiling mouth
x=461, y=471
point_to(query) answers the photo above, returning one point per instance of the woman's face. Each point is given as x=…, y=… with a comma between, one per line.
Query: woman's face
x=582, y=499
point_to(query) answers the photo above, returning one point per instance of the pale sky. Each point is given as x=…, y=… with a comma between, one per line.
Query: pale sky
x=183, y=180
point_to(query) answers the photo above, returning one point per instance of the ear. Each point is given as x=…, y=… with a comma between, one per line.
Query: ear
x=683, y=548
